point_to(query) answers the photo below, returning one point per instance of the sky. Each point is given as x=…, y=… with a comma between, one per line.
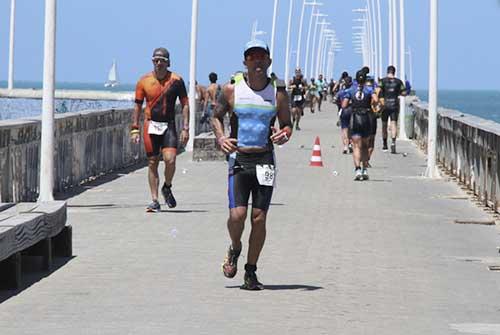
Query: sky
x=91, y=33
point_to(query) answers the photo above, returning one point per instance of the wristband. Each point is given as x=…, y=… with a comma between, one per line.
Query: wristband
x=135, y=131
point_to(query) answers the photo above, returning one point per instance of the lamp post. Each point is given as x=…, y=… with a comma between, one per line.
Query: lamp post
x=432, y=171
x=390, y=39
x=319, y=48
x=192, y=74
x=395, y=33
x=314, y=40
x=410, y=64
x=314, y=14
x=47, y=136
x=273, y=32
x=10, y=78
x=304, y=4
x=287, y=52
x=402, y=42
x=379, y=28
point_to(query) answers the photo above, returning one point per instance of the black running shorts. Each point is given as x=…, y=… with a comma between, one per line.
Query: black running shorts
x=154, y=144
x=243, y=180
x=390, y=113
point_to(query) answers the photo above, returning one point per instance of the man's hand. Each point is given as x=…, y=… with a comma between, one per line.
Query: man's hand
x=227, y=144
x=184, y=136
x=135, y=136
x=280, y=136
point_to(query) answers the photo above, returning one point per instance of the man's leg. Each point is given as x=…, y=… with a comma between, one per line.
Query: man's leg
x=394, y=130
x=356, y=156
x=236, y=225
x=169, y=156
x=153, y=177
x=298, y=115
x=257, y=235
x=365, y=156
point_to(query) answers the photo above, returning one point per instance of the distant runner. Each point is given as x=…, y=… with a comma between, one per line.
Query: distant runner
x=359, y=98
x=298, y=86
x=391, y=88
x=160, y=88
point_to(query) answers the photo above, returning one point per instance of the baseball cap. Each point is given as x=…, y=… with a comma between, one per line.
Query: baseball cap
x=161, y=53
x=256, y=44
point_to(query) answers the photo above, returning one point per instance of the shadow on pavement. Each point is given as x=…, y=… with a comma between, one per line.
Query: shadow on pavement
x=100, y=180
x=287, y=287
x=31, y=274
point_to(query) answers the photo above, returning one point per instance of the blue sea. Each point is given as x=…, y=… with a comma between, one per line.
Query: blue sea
x=485, y=104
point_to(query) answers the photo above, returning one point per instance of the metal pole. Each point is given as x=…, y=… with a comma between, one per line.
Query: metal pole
x=380, y=53
x=308, y=44
x=390, y=39
x=395, y=33
x=273, y=32
x=297, y=63
x=432, y=171
x=373, y=36
x=402, y=71
x=410, y=63
x=313, y=44
x=318, y=49
x=10, y=80
x=287, y=52
x=192, y=75
x=47, y=136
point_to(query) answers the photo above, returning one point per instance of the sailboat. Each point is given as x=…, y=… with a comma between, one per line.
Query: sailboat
x=112, y=76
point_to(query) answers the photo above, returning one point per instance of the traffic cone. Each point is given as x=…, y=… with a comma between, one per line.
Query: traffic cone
x=316, y=154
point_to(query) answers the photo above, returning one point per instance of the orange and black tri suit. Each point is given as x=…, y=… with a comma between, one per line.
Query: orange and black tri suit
x=160, y=107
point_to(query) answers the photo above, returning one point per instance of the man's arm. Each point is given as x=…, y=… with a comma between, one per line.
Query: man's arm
x=282, y=135
x=224, y=105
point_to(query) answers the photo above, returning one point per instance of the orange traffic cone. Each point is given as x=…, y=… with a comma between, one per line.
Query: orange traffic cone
x=316, y=155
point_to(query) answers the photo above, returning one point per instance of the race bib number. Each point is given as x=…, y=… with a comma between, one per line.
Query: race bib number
x=297, y=98
x=265, y=174
x=157, y=128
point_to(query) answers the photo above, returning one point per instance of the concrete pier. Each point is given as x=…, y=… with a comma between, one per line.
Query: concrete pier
x=383, y=256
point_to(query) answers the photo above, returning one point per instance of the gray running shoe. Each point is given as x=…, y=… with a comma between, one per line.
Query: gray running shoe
x=358, y=175
x=153, y=207
x=364, y=174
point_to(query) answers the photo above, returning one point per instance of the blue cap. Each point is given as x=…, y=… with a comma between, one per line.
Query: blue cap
x=256, y=44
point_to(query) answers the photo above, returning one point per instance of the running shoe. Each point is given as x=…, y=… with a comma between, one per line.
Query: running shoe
x=297, y=127
x=169, y=196
x=350, y=149
x=344, y=151
x=230, y=265
x=358, y=175
x=385, y=148
x=364, y=174
x=393, y=148
x=153, y=207
x=251, y=282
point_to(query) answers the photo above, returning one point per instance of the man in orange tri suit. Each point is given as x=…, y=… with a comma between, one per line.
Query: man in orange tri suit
x=161, y=88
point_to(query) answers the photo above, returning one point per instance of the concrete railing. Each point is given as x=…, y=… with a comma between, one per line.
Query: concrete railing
x=467, y=148
x=87, y=145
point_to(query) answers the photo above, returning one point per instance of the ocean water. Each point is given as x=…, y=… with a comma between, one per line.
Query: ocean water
x=485, y=104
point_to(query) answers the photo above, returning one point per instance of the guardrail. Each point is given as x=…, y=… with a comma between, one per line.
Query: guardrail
x=87, y=145
x=467, y=148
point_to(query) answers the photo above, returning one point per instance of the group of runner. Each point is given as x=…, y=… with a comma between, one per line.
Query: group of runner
x=254, y=102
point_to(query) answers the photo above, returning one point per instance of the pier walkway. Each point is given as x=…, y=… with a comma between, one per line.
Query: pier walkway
x=341, y=257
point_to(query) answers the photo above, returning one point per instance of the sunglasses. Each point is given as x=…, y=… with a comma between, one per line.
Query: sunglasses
x=158, y=59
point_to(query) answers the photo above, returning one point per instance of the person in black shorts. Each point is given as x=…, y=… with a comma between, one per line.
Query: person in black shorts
x=391, y=88
x=360, y=98
x=254, y=103
x=298, y=86
x=160, y=88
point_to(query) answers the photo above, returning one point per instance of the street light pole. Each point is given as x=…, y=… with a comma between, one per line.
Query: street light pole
x=402, y=42
x=273, y=32
x=432, y=171
x=299, y=41
x=192, y=75
x=287, y=52
x=47, y=136
x=390, y=39
x=380, y=53
x=314, y=41
x=10, y=80
x=395, y=33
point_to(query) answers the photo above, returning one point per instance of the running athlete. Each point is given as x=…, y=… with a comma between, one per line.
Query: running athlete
x=253, y=103
x=298, y=86
x=391, y=88
x=321, y=88
x=212, y=93
x=370, y=82
x=312, y=92
x=160, y=88
x=345, y=115
x=359, y=98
